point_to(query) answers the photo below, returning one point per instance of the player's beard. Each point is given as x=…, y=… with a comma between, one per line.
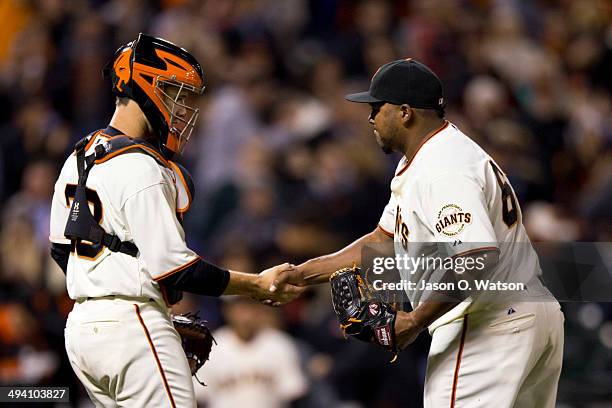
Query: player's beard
x=386, y=149
x=385, y=146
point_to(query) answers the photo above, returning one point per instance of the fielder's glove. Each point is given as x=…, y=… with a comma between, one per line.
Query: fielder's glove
x=362, y=314
x=196, y=338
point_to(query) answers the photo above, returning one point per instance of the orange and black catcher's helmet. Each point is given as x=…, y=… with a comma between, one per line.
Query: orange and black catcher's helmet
x=158, y=76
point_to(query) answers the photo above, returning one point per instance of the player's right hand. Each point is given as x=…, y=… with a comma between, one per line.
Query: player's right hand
x=293, y=276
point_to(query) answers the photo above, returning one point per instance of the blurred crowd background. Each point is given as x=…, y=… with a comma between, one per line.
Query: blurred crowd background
x=286, y=169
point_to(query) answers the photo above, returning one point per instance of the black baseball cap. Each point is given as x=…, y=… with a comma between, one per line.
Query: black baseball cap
x=403, y=81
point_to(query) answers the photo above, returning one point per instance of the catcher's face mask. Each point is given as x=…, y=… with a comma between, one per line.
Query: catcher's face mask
x=181, y=114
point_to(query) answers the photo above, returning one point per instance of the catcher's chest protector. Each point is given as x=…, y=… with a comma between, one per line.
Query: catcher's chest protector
x=81, y=224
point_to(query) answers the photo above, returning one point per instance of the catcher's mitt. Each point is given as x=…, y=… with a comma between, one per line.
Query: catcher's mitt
x=196, y=338
x=361, y=313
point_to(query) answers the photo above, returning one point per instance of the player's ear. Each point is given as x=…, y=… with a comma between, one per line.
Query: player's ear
x=406, y=113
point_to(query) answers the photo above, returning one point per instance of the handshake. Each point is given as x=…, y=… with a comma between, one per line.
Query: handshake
x=279, y=285
x=362, y=313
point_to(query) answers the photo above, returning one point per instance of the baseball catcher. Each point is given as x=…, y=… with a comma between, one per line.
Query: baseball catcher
x=116, y=231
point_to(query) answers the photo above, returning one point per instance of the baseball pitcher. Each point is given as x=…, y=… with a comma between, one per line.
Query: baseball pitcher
x=449, y=200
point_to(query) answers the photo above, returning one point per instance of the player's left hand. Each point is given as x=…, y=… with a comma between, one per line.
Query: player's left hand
x=407, y=329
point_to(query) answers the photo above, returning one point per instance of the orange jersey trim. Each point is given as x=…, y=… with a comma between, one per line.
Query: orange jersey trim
x=175, y=270
x=91, y=140
x=429, y=136
x=389, y=234
x=95, y=136
x=138, y=146
x=458, y=362
x=159, y=366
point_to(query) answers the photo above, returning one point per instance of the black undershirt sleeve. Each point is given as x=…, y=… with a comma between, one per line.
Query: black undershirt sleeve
x=60, y=254
x=201, y=278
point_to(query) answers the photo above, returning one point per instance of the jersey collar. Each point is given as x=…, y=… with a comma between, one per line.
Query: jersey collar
x=425, y=140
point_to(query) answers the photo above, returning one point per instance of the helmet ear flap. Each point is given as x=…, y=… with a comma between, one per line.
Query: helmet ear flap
x=119, y=70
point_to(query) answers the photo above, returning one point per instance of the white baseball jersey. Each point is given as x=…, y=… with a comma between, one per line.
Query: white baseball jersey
x=135, y=198
x=450, y=199
x=263, y=372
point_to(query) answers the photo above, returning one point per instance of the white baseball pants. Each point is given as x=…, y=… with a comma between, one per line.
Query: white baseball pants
x=127, y=353
x=507, y=357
